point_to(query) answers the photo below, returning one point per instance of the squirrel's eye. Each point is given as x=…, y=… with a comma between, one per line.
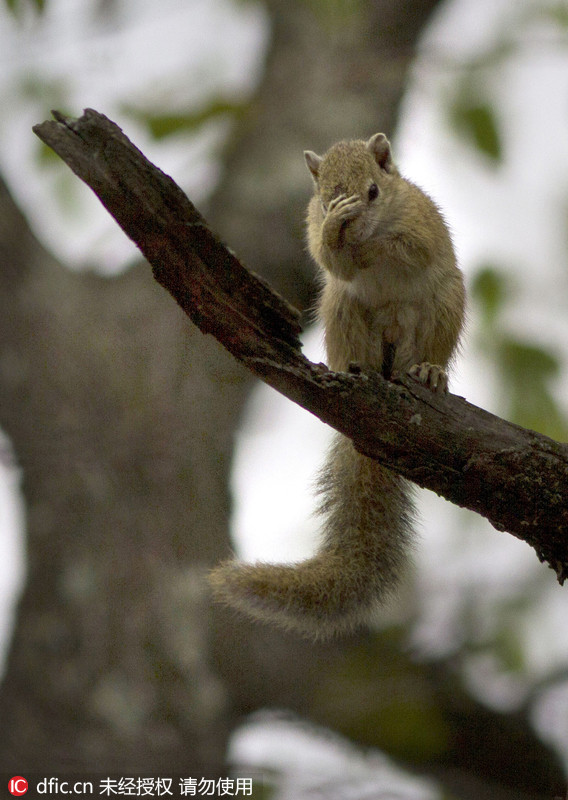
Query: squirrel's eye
x=373, y=191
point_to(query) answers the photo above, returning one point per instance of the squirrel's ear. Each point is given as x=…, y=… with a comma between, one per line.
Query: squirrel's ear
x=380, y=147
x=313, y=161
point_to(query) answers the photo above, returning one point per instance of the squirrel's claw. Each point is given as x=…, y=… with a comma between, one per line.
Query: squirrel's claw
x=430, y=375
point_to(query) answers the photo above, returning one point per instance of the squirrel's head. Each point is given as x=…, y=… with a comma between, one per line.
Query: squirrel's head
x=353, y=167
x=361, y=168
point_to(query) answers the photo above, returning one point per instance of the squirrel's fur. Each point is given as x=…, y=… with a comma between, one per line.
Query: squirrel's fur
x=392, y=300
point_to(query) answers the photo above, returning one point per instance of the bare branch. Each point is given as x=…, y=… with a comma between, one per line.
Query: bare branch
x=514, y=477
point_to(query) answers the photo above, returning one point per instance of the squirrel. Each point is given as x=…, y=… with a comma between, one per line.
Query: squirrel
x=392, y=300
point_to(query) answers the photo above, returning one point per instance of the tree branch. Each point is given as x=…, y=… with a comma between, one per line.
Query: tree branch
x=514, y=477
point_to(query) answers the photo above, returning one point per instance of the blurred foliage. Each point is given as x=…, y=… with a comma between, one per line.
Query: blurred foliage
x=508, y=646
x=266, y=788
x=50, y=92
x=379, y=697
x=556, y=11
x=162, y=125
x=334, y=14
x=489, y=288
x=499, y=635
x=471, y=112
x=17, y=7
x=527, y=369
x=474, y=120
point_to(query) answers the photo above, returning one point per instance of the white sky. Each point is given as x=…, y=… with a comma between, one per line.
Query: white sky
x=515, y=216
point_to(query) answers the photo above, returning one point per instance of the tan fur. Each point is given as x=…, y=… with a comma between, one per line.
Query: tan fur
x=392, y=300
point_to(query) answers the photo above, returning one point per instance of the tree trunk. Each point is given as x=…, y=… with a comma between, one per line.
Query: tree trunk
x=125, y=455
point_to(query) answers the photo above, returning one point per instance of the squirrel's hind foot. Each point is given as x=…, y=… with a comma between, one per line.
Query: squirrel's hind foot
x=430, y=375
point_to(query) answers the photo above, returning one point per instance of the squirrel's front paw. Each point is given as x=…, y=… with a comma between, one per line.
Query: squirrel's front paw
x=339, y=214
x=430, y=375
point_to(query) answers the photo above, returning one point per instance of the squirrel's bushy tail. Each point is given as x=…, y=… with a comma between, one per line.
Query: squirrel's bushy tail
x=366, y=533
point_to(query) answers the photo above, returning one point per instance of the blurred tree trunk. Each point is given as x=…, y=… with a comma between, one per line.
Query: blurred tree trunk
x=125, y=459
x=118, y=661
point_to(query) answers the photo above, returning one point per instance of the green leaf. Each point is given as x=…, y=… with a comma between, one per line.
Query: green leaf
x=163, y=125
x=558, y=13
x=527, y=370
x=489, y=288
x=508, y=647
x=15, y=6
x=527, y=362
x=405, y=720
x=476, y=122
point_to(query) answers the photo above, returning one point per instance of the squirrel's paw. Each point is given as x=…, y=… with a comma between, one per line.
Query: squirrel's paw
x=345, y=208
x=430, y=375
x=340, y=212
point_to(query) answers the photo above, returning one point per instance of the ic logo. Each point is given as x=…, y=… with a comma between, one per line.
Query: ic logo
x=18, y=785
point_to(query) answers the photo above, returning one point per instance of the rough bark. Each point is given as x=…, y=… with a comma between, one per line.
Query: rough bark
x=516, y=478
x=108, y=667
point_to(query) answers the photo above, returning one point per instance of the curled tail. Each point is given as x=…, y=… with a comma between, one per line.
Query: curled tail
x=366, y=538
